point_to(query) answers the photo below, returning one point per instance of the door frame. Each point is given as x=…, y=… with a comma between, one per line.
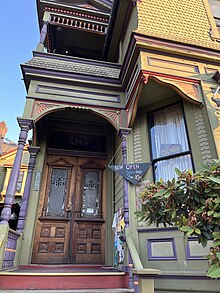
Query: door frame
x=70, y=222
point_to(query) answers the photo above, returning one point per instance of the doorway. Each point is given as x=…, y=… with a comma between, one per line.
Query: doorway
x=71, y=215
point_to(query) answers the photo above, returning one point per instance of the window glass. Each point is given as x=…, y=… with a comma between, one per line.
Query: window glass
x=168, y=133
x=91, y=190
x=57, y=193
x=169, y=143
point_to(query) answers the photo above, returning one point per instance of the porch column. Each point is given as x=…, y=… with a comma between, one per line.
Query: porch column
x=25, y=125
x=43, y=34
x=33, y=150
x=123, y=135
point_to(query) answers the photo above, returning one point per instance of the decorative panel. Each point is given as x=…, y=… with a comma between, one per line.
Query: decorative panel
x=161, y=249
x=196, y=251
x=73, y=94
x=95, y=248
x=60, y=232
x=137, y=142
x=57, y=193
x=96, y=233
x=45, y=232
x=82, y=233
x=81, y=248
x=202, y=135
x=43, y=247
x=172, y=65
x=58, y=247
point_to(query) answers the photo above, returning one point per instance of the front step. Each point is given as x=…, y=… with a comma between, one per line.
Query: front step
x=71, y=291
x=60, y=278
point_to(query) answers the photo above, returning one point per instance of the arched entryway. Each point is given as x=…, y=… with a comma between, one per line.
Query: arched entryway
x=74, y=213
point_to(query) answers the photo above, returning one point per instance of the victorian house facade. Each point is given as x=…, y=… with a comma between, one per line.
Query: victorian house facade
x=113, y=85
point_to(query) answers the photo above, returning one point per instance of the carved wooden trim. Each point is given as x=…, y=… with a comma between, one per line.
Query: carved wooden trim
x=187, y=89
x=202, y=135
x=42, y=108
x=113, y=116
x=137, y=142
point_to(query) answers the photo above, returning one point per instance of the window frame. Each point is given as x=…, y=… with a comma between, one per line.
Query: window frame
x=176, y=155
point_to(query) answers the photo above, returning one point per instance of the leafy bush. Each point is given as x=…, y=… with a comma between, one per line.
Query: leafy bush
x=192, y=203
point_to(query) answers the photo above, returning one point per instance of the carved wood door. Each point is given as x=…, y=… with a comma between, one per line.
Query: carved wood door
x=71, y=219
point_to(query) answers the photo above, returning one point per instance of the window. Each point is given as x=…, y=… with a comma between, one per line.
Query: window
x=169, y=143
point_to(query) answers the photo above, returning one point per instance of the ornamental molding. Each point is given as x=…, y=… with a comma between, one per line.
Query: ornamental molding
x=188, y=89
x=42, y=108
x=202, y=135
x=112, y=116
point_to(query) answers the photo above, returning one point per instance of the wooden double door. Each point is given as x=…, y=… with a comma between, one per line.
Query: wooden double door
x=71, y=216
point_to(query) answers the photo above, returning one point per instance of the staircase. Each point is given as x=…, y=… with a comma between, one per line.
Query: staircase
x=83, y=279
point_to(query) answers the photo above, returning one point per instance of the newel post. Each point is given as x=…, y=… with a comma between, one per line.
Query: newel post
x=33, y=150
x=25, y=125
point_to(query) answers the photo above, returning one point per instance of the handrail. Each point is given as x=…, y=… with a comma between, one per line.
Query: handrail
x=133, y=252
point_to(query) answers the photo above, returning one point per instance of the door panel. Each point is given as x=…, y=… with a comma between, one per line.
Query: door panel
x=89, y=247
x=71, y=226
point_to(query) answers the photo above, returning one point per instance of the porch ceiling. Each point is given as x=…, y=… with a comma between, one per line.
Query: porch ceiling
x=75, y=42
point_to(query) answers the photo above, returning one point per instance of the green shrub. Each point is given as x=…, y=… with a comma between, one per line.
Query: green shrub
x=192, y=203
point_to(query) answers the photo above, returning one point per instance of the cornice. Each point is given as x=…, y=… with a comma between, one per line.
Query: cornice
x=176, y=48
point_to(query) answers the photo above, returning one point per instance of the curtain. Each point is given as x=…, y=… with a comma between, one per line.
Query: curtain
x=165, y=169
x=168, y=138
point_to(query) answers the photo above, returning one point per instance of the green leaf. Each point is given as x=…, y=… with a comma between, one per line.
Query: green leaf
x=178, y=172
x=204, y=167
x=216, y=243
x=214, y=179
x=217, y=200
x=173, y=215
x=161, y=192
x=200, y=210
x=210, y=213
x=218, y=255
x=216, y=215
x=216, y=235
x=203, y=241
x=185, y=228
x=191, y=231
x=197, y=231
x=214, y=271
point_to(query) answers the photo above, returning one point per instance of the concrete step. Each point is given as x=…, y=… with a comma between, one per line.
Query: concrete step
x=55, y=281
x=71, y=291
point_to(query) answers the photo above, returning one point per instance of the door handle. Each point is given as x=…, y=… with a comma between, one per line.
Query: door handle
x=69, y=210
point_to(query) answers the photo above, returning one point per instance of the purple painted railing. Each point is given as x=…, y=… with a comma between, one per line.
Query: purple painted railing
x=10, y=250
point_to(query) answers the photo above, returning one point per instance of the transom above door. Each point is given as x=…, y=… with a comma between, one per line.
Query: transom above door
x=71, y=216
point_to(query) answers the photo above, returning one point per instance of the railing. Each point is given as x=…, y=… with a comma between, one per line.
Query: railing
x=79, y=24
x=143, y=279
x=10, y=249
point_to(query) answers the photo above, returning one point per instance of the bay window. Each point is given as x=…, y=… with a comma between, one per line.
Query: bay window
x=169, y=142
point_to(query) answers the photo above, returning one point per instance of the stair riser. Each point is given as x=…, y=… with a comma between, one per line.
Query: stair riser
x=34, y=282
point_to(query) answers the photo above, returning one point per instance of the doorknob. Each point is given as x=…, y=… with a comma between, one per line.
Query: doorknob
x=68, y=210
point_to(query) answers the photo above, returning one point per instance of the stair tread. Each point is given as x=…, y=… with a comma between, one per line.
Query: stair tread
x=71, y=291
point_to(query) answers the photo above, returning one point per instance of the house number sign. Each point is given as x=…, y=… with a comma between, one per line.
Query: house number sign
x=37, y=181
